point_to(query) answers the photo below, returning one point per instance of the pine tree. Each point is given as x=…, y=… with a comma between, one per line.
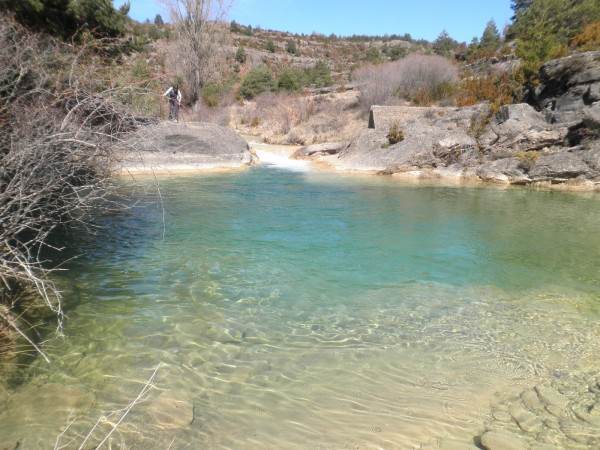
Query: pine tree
x=491, y=37
x=444, y=44
x=545, y=28
x=65, y=17
x=291, y=47
x=240, y=55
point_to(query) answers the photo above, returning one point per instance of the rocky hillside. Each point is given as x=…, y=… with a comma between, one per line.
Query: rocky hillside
x=551, y=140
x=277, y=49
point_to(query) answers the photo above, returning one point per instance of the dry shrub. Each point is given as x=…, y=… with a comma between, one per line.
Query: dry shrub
x=60, y=119
x=294, y=118
x=589, y=38
x=416, y=77
x=395, y=133
x=498, y=89
x=527, y=159
x=219, y=114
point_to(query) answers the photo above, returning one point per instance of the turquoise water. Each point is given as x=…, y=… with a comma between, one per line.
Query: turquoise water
x=292, y=309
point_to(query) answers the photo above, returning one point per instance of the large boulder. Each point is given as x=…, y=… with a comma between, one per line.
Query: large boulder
x=177, y=146
x=559, y=166
x=519, y=128
x=567, y=87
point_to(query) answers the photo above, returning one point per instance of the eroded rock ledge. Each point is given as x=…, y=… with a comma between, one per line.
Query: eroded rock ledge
x=169, y=146
x=554, y=140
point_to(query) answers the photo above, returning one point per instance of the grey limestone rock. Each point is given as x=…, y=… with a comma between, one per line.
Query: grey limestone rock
x=567, y=86
x=560, y=165
x=521, y=128
x=199, y=145
x=328, y=148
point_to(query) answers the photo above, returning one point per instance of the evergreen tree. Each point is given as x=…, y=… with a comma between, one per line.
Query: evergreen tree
x=320, y=74
x=372, y=55
x=257, y=81
x=290, y=79
x=444, y=44
x=158, y=20
x=291, y=47
x=545, y=28
x=397, y=52
x=491, y=37
x=65, y=17
x=240, y=55
x=519, y=6
x=270, y=45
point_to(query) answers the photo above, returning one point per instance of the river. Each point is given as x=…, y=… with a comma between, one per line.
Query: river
x=282, y=308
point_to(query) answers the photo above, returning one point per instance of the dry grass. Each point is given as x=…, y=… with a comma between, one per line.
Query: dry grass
x=299, y=119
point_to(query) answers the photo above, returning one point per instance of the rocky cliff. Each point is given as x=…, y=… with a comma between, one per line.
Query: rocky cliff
x=553, y=139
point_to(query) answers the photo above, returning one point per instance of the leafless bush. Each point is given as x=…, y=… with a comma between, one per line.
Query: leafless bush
x=57, y=138
x=219, y=115
x=377, y=84
x=384, y=84
x=196, y=53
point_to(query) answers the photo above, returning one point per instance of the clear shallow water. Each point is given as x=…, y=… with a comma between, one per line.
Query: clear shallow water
x=301, y=310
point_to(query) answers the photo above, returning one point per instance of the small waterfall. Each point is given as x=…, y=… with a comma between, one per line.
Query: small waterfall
x=280, y=160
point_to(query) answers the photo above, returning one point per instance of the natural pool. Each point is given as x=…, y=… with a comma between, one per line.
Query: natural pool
x=291, y=309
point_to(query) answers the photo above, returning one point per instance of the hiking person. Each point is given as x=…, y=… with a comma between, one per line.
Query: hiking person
x=174, y=96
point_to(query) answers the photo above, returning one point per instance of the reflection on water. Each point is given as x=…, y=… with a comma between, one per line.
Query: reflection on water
x=301, y=310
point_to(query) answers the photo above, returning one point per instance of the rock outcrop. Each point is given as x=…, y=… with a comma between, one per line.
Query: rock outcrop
x=568, y=86
x=552, y=140
x=177, y=146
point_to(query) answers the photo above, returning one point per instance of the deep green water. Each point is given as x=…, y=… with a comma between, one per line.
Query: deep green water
x=305, y=310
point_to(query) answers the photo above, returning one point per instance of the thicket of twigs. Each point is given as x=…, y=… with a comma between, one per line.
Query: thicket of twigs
x=415, y=78
x=60, y=118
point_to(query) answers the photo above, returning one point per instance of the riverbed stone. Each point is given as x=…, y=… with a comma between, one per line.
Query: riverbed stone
x=503, y=440
x=595, y=409
x=170, y=410
x=551, y=396
x=542, y=446
x=502, y=416
x=527, y=421
x=580, y=434
x=556, y=411
x=552, y=422
x=531, y=400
